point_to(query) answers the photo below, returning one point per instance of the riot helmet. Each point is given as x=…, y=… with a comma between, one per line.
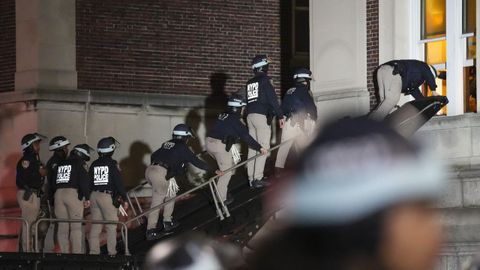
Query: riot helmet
x=235, y=103
x=107, y=145
x=29, y=139
x=302, y=75
x=182, y=132
x=260, y=63
x=82, y=151
x=57, y=143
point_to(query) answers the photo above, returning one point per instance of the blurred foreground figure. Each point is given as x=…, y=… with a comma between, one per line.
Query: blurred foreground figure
x=192, y=252
x=361, y=199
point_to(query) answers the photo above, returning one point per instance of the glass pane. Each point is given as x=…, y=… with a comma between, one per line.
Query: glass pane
x=469, y=18
x=433, y=18
x=301, y=3
x=436, y=52
x=302, y=42
x=470, y=87
x=471, y=47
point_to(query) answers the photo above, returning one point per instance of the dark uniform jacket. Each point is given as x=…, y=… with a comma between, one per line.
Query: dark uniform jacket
x=228, y=128
x=173, y=156
x=52, y=164
x=105, y=176
x=28, y=172
x=414, y=73
x=261, y=96
x=72, y=173
x=299, y=100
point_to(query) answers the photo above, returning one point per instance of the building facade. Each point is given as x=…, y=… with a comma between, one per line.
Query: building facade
x=87, y=69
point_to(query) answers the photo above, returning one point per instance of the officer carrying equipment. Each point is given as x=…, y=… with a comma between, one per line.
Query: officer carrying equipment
x=72, y=193
x=106, y=191
x=29, y=181
x=59, y=146
x=227, y=131
x=401, y=76
x=168, y=162
x=301, y=113
x=261, y=102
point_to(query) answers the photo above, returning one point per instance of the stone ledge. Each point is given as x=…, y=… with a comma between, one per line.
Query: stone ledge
x=104, y=97
x=340, y=94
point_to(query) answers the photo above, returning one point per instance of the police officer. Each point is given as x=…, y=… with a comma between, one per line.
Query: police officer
x=167, y=162
x=59, y=146
x=30, y=179
x=106, y=191
x=301, y=113
x=228, y=130
x=261, y=103
x=72, y=193
x=401, y=76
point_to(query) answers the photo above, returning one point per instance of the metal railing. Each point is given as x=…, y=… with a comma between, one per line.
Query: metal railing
x=27, y=233
x=213, y=188
x=133, y=192
x=221, y=208
x=124, y=230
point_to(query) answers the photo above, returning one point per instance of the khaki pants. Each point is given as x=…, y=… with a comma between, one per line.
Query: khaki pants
x=102, y=208
x=261, y=132
x=389, y=91
x=30, y=210
x=300, y=138
x=155, y=175
x=224, y=160
x=68, y=206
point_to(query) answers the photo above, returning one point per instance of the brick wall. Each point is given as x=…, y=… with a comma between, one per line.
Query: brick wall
x=177, y=47
x=372, y=47
x=7, y=45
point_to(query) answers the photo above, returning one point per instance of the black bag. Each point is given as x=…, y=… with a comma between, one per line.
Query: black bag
x=229, y=141
x=116, y=199
x=28, y=193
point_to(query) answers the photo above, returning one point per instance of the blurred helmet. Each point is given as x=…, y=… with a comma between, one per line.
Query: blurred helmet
x=57, y=143
x=192, y=252
x=302, y=75
x=357, y=167
x=260, y=63
x=107, y=145
x=30, y=138
x=82, y=151
x=181, y=131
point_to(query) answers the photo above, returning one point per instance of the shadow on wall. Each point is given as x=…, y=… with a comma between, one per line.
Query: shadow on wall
x=132, y=167
x=8, y=112
x=217, y=100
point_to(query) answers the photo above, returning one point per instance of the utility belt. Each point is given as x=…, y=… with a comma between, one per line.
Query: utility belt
x=105, y=191
x=116, y=197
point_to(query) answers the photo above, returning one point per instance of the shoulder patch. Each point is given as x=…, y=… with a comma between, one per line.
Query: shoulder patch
x=291, y=90
x=25, y=164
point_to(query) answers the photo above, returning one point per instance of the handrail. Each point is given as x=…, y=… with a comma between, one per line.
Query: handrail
x=208, y=182
x=123, y=224
x=27, y=233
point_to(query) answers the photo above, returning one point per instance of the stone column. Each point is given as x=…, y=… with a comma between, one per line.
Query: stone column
x=338, y=56
x=46, y=51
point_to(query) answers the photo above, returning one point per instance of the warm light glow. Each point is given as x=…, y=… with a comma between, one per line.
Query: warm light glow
x=434, y=18
x=436, y=52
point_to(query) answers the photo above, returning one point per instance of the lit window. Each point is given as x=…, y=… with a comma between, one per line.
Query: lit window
x=433, y=19
x=469, y=20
